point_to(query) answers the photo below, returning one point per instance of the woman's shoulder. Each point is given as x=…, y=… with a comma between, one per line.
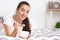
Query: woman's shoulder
x=8, y=20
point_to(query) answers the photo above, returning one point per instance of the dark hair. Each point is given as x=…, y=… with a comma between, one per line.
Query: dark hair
x=21, y=3
x=27, y=25
x=26, y=21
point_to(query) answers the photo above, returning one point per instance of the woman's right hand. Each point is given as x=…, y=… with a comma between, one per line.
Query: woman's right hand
x=16, y=25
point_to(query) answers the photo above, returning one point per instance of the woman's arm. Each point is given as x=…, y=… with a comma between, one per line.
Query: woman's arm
x=8, y=31
x=14, y=32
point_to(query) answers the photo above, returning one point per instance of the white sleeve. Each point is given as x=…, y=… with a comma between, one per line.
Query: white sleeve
x=8, y=20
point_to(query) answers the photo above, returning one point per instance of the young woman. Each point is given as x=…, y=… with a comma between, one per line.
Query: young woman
x=15, y=24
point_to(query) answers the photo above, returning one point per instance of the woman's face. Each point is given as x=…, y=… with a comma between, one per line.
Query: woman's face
x=23, y=11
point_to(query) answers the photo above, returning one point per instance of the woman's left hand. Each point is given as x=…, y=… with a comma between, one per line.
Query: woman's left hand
x=24, y=37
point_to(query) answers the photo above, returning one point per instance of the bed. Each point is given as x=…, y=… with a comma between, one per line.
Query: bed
x=38, y=34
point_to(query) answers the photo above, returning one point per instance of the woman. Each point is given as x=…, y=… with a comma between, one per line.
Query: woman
x=20, y=20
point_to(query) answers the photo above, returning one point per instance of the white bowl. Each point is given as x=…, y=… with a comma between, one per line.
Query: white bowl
x=24, y=33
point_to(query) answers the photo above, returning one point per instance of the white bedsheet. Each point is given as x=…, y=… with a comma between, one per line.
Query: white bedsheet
x=40, y=38
x=38, y=34
x=10, y=38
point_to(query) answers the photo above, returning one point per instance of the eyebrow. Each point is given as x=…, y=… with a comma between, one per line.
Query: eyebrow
x=23, y=8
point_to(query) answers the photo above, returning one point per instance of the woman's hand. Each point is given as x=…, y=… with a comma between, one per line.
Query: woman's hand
x=24, y=37
x=16, y=25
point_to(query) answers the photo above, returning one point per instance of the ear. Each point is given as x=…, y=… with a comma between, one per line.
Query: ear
x=16, y=10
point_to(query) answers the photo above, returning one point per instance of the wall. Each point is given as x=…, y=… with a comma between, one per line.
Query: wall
x=37, y=14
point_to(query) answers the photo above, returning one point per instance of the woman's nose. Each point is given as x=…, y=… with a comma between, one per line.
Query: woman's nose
x=25, y=13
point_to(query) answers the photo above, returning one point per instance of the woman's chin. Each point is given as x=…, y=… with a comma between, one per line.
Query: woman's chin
x=23, y=19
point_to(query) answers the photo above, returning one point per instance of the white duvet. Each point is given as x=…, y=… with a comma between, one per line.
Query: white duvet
x=38, y=34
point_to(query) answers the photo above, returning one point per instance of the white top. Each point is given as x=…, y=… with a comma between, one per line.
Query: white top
x=9, y=21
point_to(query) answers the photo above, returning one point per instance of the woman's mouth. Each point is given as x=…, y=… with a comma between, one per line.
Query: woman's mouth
x=23, y=16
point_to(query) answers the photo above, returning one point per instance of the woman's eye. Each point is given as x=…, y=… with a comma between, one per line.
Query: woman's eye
x=27, y=12
x=22, y=10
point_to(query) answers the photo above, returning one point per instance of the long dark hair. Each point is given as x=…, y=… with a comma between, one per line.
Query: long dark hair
x=26, y=21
